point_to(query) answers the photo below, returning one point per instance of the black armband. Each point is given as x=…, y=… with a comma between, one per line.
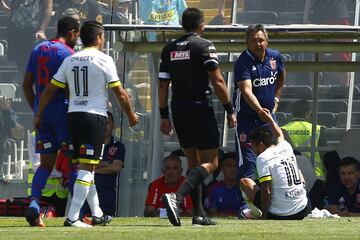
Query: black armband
x=164, y=112
x=228, y=108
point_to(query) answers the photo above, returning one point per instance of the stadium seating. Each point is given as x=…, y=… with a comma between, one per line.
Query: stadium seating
x=337, y=92
x=333, y=135
x=327, y=119
x=296, y=91
x=290, y=18
x=334, y=106
x=254, y=17
x=341, y=119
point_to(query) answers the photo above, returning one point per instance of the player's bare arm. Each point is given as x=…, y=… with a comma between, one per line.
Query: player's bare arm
x=44, y=101
x=165, y=123
x=28, y=89
x=266, y=117
x=246, y=90
x=265, y=198
x=279, y=85
x=124, y=101
x=221, y=92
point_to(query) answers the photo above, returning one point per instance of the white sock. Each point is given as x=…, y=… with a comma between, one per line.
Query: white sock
x=93, y=201
x=81, y=190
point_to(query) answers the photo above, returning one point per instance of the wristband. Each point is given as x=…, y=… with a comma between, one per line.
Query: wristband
x=164, y=112
x=277, y=100
x=228, y=108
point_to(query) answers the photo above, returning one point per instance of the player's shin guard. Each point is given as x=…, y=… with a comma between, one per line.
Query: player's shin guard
x=81, y=190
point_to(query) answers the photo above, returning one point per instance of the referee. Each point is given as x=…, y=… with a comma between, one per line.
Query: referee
x=188, y=63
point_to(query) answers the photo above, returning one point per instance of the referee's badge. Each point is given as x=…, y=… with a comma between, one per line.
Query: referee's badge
x=112, y=150
x=242, y=137
x=273, y=64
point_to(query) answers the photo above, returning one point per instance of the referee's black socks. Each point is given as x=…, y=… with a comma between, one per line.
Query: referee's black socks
x=194, y=178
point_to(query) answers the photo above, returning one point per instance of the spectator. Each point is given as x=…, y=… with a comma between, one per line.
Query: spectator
x=219, y=19
x=281, y=195
x=299, y=131
x=169, y=182
x=86, y=9
x=107, y=172
x=259, y=74
x=161, y=13
x=224, y=197
x=28, y=20
x=334, y=12
x=344, y=196
x=54, y=192
x=9, y=128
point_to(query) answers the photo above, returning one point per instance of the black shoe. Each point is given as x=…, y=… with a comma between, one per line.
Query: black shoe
x=33, y=218
x=172, y=208
x=203, y=221
x=105, y=219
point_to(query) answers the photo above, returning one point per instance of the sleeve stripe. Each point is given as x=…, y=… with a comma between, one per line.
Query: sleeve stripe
x=164, y=75
x=114, y=84
x=211, y=60
x=57, y=83
x=264, y=179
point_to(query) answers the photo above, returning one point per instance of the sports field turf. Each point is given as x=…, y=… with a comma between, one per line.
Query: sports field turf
x=154, y=228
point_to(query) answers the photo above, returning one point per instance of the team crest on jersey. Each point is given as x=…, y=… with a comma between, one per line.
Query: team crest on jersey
x=179, y=55
x=183, y=43
x=273, y=64
x=242, y=137
x=112, y=150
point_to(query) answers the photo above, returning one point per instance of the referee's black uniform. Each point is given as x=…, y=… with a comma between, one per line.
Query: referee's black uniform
x=185, y=62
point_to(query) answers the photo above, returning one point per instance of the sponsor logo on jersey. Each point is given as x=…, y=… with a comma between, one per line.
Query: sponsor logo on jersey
x=212, y=48
x=183, y=43
x=82, y=58
x=179, y=55
x=86, y=150
x=260, y=82
x=253, y=68
x=273, y=64
x=213, y=55
x=163, y=16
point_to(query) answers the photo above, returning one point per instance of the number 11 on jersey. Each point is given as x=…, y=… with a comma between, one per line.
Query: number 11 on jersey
x=84, y=73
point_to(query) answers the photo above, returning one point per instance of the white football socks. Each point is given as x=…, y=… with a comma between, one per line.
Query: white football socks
x=93, y=201
x=81, y=191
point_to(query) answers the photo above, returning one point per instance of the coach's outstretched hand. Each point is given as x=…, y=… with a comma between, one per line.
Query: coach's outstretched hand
x=232, y=121
x=133, y=119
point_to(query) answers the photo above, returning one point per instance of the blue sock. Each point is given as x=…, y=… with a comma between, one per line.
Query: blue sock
x=39, y=181
x=72, y=178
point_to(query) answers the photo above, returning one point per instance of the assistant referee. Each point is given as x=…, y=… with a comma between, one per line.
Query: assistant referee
x=188, y=63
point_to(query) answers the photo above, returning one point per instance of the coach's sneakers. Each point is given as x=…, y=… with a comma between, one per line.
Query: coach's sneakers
x=105, y=219
x=77, y=223
x=202, y=221
x=172, y=206
x=33, y=217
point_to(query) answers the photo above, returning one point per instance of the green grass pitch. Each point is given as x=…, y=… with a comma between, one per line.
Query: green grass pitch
x=154, y=228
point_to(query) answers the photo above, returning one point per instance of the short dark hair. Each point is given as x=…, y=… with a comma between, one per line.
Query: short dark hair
x=110, y=115
x=191, y=19
x=172, y=157
x=66, y=25
x=263, y=135
x=255, y=28
x=89, y=31
x=347, y=161
x=301, y=107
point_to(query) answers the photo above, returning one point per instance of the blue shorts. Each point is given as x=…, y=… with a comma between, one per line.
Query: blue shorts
x=53, y=134
x=245, y=155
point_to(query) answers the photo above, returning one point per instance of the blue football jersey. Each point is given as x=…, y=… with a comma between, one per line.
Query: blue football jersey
x=263, y=76
x=44, y=62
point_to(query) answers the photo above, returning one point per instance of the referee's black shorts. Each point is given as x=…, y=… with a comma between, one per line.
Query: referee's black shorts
x=88, y=132
x=195, y=124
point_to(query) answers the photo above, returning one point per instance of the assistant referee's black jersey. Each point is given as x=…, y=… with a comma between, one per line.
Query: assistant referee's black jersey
x=185, y=62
